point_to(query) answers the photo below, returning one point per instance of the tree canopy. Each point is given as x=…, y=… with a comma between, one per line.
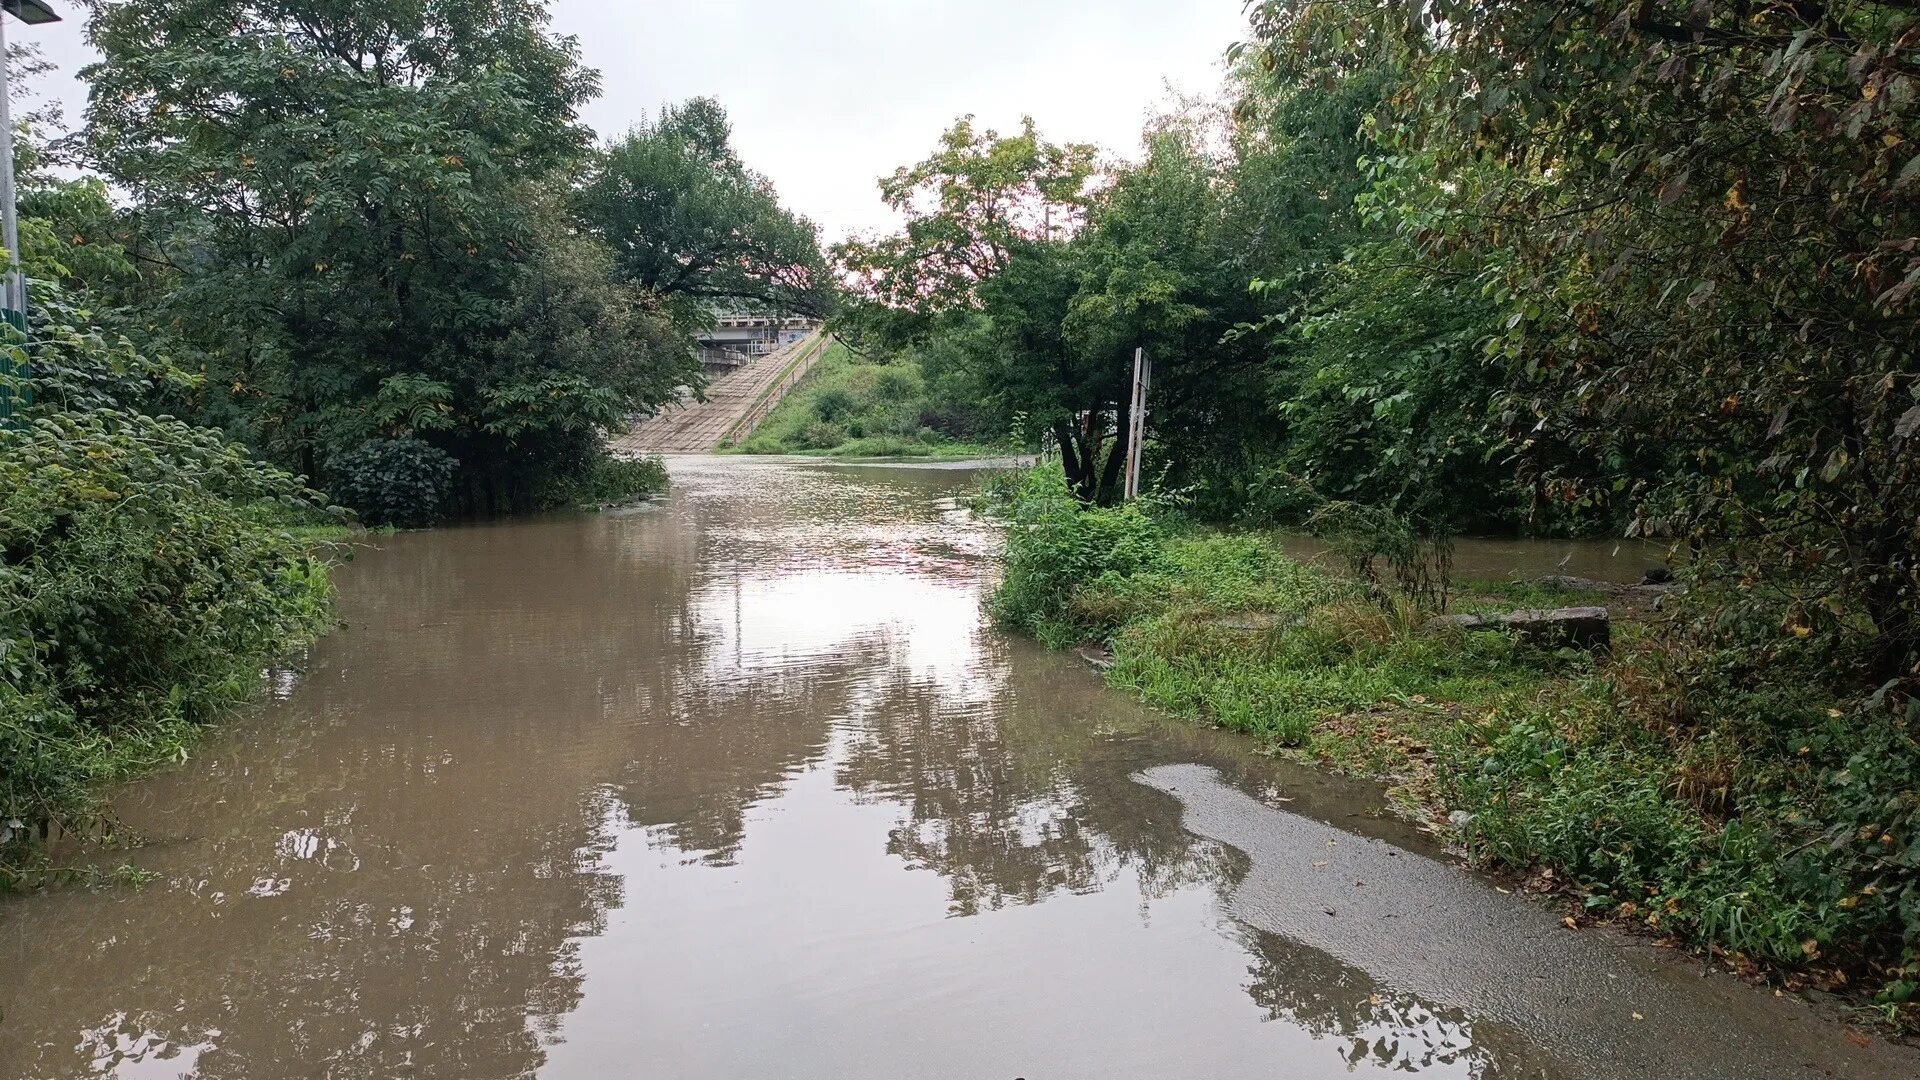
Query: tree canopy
x=1700, y=220
x=689, y=221
x=379, y=220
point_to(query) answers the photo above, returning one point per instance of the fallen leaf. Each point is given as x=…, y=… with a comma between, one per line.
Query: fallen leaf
x=1569, y=923
x=1637, y=1016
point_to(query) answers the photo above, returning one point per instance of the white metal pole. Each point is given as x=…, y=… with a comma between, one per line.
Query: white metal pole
x=16, y=291
x=1133, y=424
x=1137, y=436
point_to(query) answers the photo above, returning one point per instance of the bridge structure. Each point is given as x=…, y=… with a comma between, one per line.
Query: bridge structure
x=736, y=402
x=736, y=340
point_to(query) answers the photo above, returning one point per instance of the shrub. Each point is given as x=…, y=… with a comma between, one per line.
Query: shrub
x=820, y=435
x=141, y=591
x=897, y=382
x=404, y=482
x=832, y=403
x=1055, y=545
x=1768, y=825
x=614, y=480
x=1419, y=555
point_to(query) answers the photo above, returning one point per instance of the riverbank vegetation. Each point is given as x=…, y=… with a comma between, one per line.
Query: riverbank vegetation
x=1660, y=785
x=301, y=255
x=1640, y=269
x=856, y=406
x=148, y=572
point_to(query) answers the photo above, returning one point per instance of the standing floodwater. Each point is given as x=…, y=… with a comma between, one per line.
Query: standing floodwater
x=745, y=786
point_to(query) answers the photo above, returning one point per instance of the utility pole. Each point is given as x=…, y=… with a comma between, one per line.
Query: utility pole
x=1137, y=419
x=13, y=298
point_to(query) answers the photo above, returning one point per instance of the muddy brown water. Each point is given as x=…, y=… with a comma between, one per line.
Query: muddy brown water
x=744, y=785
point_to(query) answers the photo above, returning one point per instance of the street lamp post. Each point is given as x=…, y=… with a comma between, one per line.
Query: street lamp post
x=13, y=297
x=31, y=12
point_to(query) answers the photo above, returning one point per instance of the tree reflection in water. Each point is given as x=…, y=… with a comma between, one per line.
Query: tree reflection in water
x=403, y=868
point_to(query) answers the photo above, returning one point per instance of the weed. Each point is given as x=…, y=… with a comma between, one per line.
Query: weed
x=1758, y=811
x=856, y=408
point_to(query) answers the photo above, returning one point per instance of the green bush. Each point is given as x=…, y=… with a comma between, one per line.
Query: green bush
x=832, y=403
x=140, y=595
x=820, y=435
x=898, y=382
x=1057, y=545
x=614, y=480
x=863, y=407
x=403, y=482
x=1770, y=824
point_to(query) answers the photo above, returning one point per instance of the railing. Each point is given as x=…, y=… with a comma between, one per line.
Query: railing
x=750, y=421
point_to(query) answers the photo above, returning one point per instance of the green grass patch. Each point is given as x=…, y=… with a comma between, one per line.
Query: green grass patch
x=1758, y=811
x=851, y=407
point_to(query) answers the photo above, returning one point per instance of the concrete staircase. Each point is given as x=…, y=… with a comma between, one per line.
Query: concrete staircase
x=735, y=405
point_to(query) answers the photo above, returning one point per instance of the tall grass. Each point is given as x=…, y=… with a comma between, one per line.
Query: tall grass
x=1761, y=815
x=849, y=406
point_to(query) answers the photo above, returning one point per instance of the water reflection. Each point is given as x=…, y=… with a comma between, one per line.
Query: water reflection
x=743, y=786
x=1375, y=1026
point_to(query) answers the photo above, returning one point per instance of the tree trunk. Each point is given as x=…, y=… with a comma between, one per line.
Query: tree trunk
x=1091, y=433
x=1069, y=458
x=1108, y=493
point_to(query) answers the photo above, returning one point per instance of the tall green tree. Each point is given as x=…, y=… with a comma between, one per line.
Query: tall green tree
x=1699, y=219
x=1223, y=253
x=689, y=221
x=983, y=262
x=348, y=199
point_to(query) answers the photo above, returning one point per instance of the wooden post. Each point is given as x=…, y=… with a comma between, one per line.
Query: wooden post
x=1137, y=420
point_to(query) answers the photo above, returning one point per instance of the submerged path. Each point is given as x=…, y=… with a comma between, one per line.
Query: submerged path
x=734, y=405
x=745, y=785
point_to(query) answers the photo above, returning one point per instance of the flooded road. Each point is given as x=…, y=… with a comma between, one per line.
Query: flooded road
x=745, y=786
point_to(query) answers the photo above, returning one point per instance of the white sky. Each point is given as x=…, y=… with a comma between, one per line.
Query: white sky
x=828, y=95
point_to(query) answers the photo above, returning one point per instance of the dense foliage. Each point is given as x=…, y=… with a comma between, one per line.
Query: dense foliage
x=885, y=404
x=145, y=580
x=1700, y=219
x=372, y=222
x=1298, y=353
x=689, y=221
x=345, y=201
x=1781, y=833
x=403, y=482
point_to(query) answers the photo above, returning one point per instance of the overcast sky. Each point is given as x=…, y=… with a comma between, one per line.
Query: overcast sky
x=827, y=95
